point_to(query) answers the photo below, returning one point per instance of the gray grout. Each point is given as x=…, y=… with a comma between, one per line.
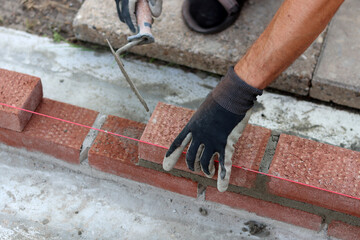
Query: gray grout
x=269, y=152
x=89, y=139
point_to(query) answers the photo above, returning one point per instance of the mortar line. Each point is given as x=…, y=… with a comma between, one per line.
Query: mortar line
x=269, y=151
x=91, y=136
x=261, y=180
x=326, y=214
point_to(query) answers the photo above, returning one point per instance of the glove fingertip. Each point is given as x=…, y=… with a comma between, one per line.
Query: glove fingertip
x=167, y=164
x=223, y=178
x=222, y=187
x=175, y=150
x=170, y=158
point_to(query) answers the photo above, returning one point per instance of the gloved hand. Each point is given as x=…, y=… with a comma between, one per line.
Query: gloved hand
x=127, y=11
x=214, y=129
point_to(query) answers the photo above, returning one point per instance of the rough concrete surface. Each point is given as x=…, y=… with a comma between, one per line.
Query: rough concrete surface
x=337, y=77
x=91, y=79
x=41, y=198
x=97, y=20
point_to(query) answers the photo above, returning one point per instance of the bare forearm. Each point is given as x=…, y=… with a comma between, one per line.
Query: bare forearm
x=294, y=27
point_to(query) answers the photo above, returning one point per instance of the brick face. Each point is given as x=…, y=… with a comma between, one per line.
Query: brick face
x=119, y=156
x=320, y=165
x=115, y=147
x=18, y=90
x=59, y=139
x=343, y=231
x=166, y=123
x=265, y=209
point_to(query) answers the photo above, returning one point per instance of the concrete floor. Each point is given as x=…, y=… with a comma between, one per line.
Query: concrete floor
x=42, y=198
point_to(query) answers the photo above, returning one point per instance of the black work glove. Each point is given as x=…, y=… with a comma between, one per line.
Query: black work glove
x=126, y=10
x=214, y=129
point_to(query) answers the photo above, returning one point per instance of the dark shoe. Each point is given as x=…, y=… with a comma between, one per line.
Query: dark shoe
x=210, y=16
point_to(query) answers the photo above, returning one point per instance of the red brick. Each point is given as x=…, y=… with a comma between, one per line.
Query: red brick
x=18, y=90
x=116, y=147
x=59, y=139
x=119, y=156
x=320, y=165
x=166, y=123
x=265, y=209
x=343, y=231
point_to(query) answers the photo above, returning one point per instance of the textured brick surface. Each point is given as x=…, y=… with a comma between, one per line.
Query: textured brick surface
x=59, y=139
x=343, y=231
x=167, y=122
x=119, y=156
x=116, y=147
x=320, y=165
x=18, y=90
x=265, y=209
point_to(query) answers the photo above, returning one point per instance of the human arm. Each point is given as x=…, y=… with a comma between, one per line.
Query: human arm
x=291, y=31
x=218, y=123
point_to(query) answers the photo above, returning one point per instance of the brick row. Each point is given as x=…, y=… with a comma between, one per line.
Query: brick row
x=56, y=138
x=299, y=160
x=119, y=156
x=320, y=165
x=166, y=123
x=296, y=159
x=265, y=209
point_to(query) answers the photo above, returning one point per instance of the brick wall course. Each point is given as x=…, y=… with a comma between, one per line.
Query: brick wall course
x=320, y=165
x=59, y=139
x=166, y=123
x=265, y=209
x=119, y=156
x=297, y=159
x=18, y=90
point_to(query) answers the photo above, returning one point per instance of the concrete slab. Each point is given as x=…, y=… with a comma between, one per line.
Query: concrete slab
x=91, y=79
x=44, y=198
x=337, y=77
x=97, y=20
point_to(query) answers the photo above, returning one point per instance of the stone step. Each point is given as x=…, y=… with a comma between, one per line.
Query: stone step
x=337, y=77
x=98, y=20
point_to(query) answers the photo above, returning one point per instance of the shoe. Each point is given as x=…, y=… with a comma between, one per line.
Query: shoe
x=210, y=16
